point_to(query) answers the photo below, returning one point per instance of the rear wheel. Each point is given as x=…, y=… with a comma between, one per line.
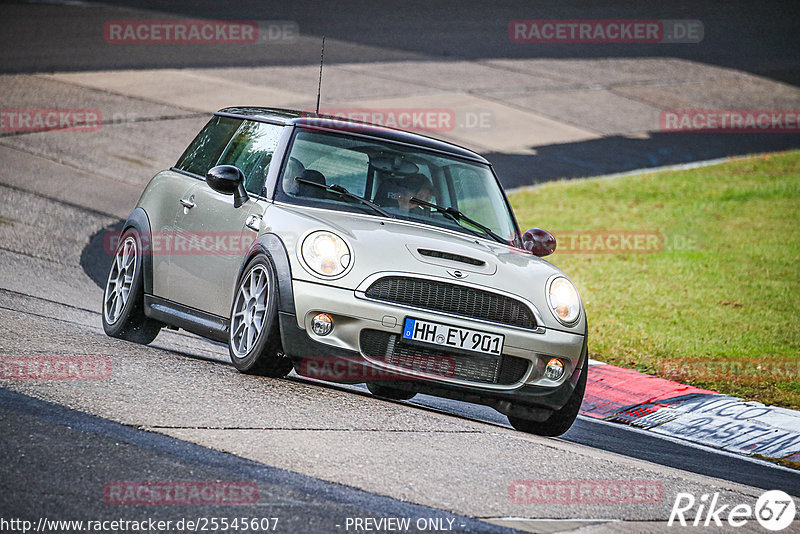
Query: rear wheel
x=388, y=392
x=255, y=342
x=123, y=298
x=560, y=421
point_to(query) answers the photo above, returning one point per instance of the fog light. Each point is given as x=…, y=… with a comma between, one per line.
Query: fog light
x=322, y=324
x=555, y=369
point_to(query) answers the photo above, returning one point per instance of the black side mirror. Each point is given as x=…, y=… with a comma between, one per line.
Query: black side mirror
x=228, y=180
x=539, y=242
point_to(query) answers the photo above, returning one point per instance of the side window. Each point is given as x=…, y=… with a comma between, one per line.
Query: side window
x=347, y=168
x=251, y=150
x=204, y=151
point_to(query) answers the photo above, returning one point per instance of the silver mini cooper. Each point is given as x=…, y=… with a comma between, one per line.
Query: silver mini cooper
x=353, y=253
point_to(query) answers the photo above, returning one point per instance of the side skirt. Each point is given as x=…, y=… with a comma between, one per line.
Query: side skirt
x=190, y=319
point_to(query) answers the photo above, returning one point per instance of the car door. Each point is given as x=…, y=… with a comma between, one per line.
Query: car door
x=175, y=187
x=212, y=237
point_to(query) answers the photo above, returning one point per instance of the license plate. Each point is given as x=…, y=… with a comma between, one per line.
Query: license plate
x=452, y=337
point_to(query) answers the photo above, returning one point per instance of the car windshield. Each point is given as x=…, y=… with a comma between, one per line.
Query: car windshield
x=394, y=177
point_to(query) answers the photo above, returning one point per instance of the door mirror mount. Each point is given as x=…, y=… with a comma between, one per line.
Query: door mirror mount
x=228, y=180
x=539, y=242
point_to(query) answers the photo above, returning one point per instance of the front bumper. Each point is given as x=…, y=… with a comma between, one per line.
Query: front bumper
x=354, y=315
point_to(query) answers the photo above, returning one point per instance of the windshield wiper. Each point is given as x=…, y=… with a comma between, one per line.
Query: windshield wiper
x=340, y=190
x=458, y=216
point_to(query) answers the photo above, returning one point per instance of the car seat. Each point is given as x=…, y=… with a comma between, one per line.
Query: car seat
x=307, y=190
x=386, y=195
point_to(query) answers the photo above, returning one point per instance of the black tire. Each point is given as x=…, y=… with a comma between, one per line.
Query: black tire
x=561, y=420
x=388, y=392
x=123, y=312
x=262, y=354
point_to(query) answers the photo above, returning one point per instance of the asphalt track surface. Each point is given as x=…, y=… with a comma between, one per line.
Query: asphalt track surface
x=757, y=37
x=319, y=453
x=580, y=84
x=33, y=429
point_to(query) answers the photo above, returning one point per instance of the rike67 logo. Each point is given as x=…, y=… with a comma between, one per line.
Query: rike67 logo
x=774, y=510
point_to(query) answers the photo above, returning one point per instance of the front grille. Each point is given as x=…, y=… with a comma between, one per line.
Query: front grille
x=452, y=298
x=387, y=348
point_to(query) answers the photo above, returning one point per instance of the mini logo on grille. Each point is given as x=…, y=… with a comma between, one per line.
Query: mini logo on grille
x=457, y=274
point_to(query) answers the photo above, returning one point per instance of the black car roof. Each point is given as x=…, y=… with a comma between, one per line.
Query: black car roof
x=328, y=122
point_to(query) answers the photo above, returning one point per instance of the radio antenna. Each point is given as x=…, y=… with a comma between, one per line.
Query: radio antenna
x=321, y=59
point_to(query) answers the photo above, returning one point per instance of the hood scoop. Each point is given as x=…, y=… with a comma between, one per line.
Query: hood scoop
x=464, y=259
x=450, y=256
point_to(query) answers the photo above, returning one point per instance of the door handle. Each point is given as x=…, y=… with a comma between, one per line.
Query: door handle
x=187, y=203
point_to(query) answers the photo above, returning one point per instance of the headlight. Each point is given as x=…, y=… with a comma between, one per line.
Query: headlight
x=326, y=253
x=563, y=300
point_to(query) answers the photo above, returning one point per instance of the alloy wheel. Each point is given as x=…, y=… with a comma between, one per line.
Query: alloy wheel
x=120, y=280
x=249, y=311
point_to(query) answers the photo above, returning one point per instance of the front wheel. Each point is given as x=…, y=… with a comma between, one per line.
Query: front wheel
x=255, y=341
x=123, y=298
x=560, y=421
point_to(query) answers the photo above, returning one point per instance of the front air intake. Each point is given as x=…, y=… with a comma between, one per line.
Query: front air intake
x=389, y=349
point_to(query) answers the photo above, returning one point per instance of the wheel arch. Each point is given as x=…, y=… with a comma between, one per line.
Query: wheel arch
x=139, y=221
x=271, y=246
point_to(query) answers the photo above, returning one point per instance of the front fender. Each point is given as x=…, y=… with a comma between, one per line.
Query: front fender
x=139, y=221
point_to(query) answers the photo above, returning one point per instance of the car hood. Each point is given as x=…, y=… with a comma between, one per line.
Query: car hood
x=382, y=245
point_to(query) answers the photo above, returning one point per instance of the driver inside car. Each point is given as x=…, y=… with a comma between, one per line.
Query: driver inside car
x=415, y=186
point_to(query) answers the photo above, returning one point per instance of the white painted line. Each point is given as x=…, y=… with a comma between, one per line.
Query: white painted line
x=533, y=519
x=543, y=520
x=74, y=3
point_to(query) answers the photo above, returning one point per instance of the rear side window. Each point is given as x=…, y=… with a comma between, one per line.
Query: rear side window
x=204, y=151
x=251, y=150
